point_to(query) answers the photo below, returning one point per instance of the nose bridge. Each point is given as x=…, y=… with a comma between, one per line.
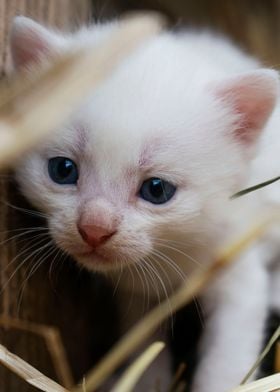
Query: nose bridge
x=100, y=213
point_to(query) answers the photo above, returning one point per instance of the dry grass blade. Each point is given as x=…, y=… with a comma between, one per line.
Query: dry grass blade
x=266, y=350
x=54, y=92
x=277, y=358
x=137, y=368
x=182, y=387
x=267, y=384
x=84, y=385
x=131, y=341
x=28, y=373
x=53, y=342
x=254, y=187
x=177, y=377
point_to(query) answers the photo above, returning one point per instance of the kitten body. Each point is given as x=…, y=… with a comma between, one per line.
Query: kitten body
x=193, y=110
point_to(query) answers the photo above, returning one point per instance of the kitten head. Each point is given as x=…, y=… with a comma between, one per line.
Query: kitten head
x=152, y=156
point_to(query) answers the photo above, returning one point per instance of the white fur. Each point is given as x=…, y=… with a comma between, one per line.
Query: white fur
x=190, y=108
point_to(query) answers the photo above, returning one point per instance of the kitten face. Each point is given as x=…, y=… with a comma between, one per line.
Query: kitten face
x=155, y=123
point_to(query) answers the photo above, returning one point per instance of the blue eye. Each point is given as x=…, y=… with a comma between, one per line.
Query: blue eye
x=157, y=191
x=63, y=170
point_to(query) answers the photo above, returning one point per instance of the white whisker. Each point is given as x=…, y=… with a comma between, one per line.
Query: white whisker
x=119, y=277
x=32, y=271
x=172, y=264
x=24, y=210
x=16, y=236
x=180, y=252
x=26, y=250
x=22, y=263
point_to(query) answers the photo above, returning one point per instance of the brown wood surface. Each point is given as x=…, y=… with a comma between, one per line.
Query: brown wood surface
x=49, y=298
x=254, y=24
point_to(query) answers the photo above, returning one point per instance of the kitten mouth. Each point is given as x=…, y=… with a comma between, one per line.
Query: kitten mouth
x=93, y=257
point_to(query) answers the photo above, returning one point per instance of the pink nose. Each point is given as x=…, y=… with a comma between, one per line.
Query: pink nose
x=94, y=235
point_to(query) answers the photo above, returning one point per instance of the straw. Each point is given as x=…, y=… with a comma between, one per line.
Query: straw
x=267, y=384
x=31, y=107
x=264, y=353
x=254, y=188
x=53, y=342
x=28, y=373
x=143, y=329
x=137, y=368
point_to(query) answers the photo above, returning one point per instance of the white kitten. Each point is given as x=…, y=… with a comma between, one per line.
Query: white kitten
x=142, y=176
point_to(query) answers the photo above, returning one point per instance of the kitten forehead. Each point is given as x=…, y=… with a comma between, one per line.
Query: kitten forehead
x=147, y=116
x=144, y=100
x=70, y=141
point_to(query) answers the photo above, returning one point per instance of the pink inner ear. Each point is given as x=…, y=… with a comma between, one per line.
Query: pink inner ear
x=255, y=110
x=29, y=42
x=253, y=97
x=28, y=50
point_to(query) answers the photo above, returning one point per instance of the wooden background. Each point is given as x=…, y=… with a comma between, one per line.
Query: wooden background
x=71, y=300
x=65, y=298
x=254, y=24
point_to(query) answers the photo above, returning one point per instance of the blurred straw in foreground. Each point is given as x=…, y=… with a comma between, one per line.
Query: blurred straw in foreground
x=131, y=376
x=30, y=107
x=267, y=384
x=53, y=342
x=143, y=329
x=28, y=373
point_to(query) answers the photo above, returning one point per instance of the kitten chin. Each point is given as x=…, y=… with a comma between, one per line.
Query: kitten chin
x=97, y=262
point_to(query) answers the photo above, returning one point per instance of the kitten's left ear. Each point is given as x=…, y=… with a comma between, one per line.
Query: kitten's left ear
x=31, y=42
x=253, y=97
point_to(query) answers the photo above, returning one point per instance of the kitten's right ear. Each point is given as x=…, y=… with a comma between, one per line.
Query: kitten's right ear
x=30, y=42
x=252, y=96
